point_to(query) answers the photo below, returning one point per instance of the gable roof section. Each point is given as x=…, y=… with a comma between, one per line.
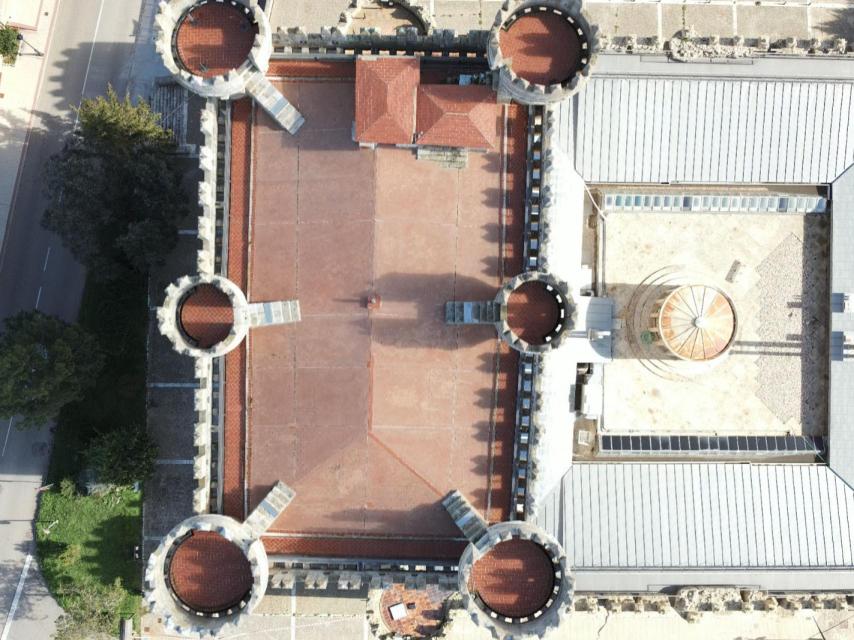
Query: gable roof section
x=457, y=116
x=635, y=129
x=385, y=99
x=841, y=409
x=702, y=516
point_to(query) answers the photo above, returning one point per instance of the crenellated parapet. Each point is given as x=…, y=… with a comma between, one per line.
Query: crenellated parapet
x=566, y=47
x=228, y=85
x=206, y=255
x=203, y=403
x=211, y=571
x=334, y=40
x=515, y=581
x=172, y=315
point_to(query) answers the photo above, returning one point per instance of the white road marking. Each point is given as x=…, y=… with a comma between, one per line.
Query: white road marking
x=8, y=626
x=38, y=297
x=6, y=441
x=46, y=258
x=89, y=64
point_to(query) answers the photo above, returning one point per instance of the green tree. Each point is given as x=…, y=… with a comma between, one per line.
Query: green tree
x=123, y=456
x=8, y=43
x=115, y=193
x=45, y=363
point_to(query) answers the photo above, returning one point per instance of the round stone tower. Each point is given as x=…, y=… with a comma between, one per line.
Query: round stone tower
x=213, y=47
x=535, y=310
x=515, y=580
x=206, y=575
x=542, y=50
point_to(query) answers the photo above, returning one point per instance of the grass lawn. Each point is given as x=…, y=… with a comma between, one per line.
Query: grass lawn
x=92, y=542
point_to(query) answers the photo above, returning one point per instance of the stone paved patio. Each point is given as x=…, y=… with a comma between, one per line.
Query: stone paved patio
x=773, y=381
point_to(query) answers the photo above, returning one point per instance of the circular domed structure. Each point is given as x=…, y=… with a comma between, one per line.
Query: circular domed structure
x=535, y=311
x=213, y=38
x=208, y=573
x=543, y=50
x=697, y=322
x=515, y=579
x=206, y=315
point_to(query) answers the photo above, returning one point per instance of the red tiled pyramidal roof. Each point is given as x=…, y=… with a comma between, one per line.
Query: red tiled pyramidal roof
x=385, y=99
x=457, y=116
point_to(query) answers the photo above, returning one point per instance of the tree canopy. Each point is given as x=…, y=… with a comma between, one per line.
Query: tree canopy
x=45, y=363
x=123, y=456
x=115, y=193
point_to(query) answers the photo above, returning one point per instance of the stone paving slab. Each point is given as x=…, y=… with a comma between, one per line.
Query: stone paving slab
x=706, y=20
x=180, y=262
x=465, y=15
x=774, y=22
x=276, y=602
x=310, y=14
x=165, y=365
x=330, y=601
x=171, y=418
x=618, y=20
x=168, y=494
x=24, y=14
x=832, y=23
x=168, y=500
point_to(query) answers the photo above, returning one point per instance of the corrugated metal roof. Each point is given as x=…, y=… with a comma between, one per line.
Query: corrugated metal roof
x=701, y=516
x=709, y=130
x=841, y=409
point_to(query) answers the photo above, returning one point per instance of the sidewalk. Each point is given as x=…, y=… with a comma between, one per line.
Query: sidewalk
x=18, y=88
x=23, y=14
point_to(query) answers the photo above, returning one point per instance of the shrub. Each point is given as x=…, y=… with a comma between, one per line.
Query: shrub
x=67, y=488
x=123, y=456
x=8, y=44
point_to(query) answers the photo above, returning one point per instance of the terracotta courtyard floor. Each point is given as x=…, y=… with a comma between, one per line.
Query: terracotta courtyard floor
x=372, y=416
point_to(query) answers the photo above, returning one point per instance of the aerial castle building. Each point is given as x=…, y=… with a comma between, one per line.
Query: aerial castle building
x=496, y=315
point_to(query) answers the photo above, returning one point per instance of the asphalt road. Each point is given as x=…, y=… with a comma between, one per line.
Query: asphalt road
x=91, y=46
